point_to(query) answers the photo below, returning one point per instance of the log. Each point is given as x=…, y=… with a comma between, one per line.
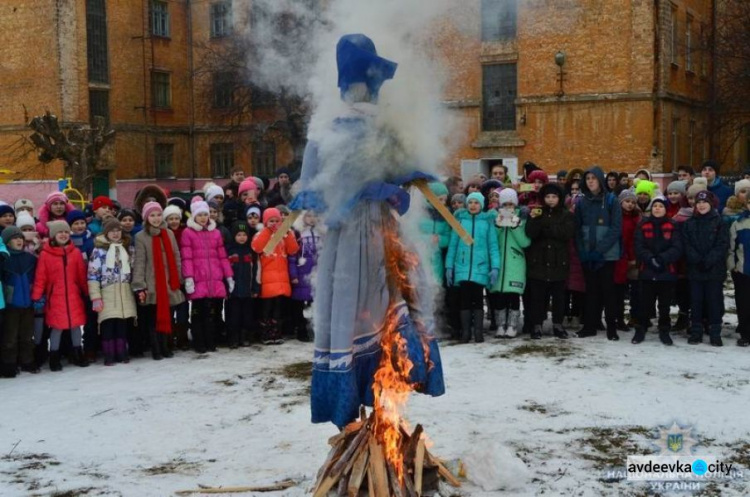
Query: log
x=443, y=471
x=347, y=458
x=281, y=232
x=348, y=430
x=282, y=485
x=443, y=210
x=410, y=447
x=377, y=471
x=358, y=473
x=333, y=456
x=370, y=482
x=394, y=481
x=419, y=467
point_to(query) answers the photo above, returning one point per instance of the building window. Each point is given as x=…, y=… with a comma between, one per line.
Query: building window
x=689, y=44
x=675, y=143
x=160, y=18
x=160, y=84
x=499, y=20
x=96, y=41
x=164, y=160
x=222, y=159
x=223, y=90
x=221, y=19
x=499, y=89
x=98, y=105
x=262, y=97
x=674, y=37
x=264, y=158
x=691, y=142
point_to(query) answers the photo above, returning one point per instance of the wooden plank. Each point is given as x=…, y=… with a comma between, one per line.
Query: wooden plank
x=377, y=471
x=443, y=471
x=283, y=485
x=348, y=430
x=351, y=452
x=394, y=481
x=358, y=473
x=370, y=481
x=419, y=467
x=443, y=210
x=281, y=232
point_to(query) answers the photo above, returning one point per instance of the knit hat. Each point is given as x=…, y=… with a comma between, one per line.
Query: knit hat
x=75, y=215
x=740, y=185
x=508, y=195
x=23, y=203
x=561, y=174
x=179, y=202
x=253, y=209
x=55, y=197
x=213, y=204
x=677, y=186
x=127, y=213
x=109, y=224
x=262, y=185
x=283, y=170
x=459, y=197
x=240, y=226
x=213, y=191
x=706, y=196
x=149, y=208
x=712, y=164
x=172, y=210
x=697, y=187
x=538, y=175
x=271, y=213
x=246, y=185
x=6, y=209
x=472, y=196
x=102, y=201
x=658, y=199
x=645, y=186
x=645, y=171
x=10, y=233
x=198, y=206
x=25, y=219
x=627, y=194
x=438, y=188
x=56, y=227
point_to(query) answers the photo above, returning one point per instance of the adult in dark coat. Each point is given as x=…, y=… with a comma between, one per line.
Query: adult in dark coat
x=716, y=185
x=281, y=193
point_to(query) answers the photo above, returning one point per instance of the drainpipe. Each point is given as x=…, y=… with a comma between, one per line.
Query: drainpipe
x=191, y=83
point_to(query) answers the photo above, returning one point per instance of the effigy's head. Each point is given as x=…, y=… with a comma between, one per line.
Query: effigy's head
x=358, y=62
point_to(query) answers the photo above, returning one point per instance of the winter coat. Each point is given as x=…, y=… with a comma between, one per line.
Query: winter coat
x=143, y=266
x=244, y=263
x=474, y=262
x=61, y=279
x=111, y=285
x=204, y=259
x=598, y=224
x=274, y=268
x=435, y=225
x=95, y=226
x=658, y=238
x=576, y=281
x=739, y=245
x=734, y=210
x=18, y=279
x=3, y=256
x=178, y=234
x=624, y=270
x=722, y=192
x=550, y=234
x=83, y=242
x=706, y=239
x=303, y=263
x=511, y=243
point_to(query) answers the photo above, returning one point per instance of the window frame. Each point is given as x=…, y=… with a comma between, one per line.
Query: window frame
x=506, y=27
x=97, y=45
x=225, y=18
x=161, y=28
x=223, y=86
x=504, y=122
x=155, y=90
x=264, y=158
x=162, y=151
x=221, y=153
x=93, y=103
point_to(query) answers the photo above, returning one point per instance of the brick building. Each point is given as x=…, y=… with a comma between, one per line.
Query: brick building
x=138, y=64
x=570, y=83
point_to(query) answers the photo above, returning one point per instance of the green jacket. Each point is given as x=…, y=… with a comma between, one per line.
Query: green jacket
x=512, y=242
x=474, y=262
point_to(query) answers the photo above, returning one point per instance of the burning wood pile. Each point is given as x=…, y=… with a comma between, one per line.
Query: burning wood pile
x=357, y=465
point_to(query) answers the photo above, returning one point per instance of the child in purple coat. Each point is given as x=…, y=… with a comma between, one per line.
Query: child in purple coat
x=301, y=267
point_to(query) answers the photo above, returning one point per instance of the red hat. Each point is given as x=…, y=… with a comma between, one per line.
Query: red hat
x=102, y=201
x=538, y=175
x=271, y=213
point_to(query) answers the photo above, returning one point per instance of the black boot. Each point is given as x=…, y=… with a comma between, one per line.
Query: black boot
x=478, y=325
x=559, y=331
x=696, y=335
x=155, y=347
x=465, y=326
x=536, y=332
x=164, y=347
x=9, y=370
x=54, y=361
x=716, y=341
x=640, y=335
x=40, y=355
x=79, y=358
x=612, y=334
x=682, y=322
x=664, y=337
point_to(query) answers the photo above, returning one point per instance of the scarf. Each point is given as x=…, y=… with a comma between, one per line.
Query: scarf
x=112, y=255
x=163, y=314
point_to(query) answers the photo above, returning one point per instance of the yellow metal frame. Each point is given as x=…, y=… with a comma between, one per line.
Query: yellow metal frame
x=75, y=197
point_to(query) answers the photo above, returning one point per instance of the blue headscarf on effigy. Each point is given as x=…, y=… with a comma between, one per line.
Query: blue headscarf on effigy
x=351, y=297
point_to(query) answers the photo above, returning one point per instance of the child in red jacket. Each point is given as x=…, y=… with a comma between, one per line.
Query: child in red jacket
x=626, y=269
x=59, y=287
x=274, y=274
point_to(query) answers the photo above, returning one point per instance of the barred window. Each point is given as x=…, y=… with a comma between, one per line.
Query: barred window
x=98, y=105
x=262, y=97
x=223, y=90
x=221, y=19
x=222, y=159
x=160, y=18
x=499, y=20
x=499, y=89
x=161, y=87
x=96, y=41
x=264, y=158
x=164, y=160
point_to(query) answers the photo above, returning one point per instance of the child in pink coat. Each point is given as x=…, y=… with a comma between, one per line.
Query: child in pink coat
x=205, y=268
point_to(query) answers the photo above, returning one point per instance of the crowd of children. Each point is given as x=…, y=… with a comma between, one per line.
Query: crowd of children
x=170, y=274
x=115, y=283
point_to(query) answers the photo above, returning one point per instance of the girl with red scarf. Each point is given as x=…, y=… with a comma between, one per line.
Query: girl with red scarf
x=157, y=278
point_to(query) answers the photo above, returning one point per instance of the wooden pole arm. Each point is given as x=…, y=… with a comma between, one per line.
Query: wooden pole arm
x=443, y=210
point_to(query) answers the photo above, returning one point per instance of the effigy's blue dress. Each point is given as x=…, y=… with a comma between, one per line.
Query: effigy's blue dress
x=345, y=175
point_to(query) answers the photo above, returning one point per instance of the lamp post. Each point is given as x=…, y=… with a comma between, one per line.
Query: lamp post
x=560, y=61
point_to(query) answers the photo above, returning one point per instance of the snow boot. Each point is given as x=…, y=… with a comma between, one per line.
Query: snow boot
x=559, y=331
x=512, y=330
x=40, y=355
x=180, y=336
x=8, y=371
x=682, y=322
x=743, y=342
x=465, y=326
x=501, y=318
x=164, y=341
x=664, y=337
x=54, y=361
x=696, y=335
x=612, y=334
x=478, y=326
x=108, y=348
x=640, y=335
x=536, y=332
x=79, y=358
x=716, y=336
x=121, y=351
x=584, y=333
x=155, y=348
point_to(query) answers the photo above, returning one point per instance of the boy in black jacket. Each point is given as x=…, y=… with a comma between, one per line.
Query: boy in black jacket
x=239, y=307
x=706, y=238
x=658, y=247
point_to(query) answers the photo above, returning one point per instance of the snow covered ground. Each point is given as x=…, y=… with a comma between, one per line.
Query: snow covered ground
x=527, y=418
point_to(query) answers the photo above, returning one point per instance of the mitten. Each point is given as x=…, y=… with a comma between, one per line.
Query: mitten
x=189, y=285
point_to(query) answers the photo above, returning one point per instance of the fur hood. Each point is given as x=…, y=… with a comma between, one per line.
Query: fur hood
x=102, y=242
x=734, y=206
x=197, y=227
x=147, y=191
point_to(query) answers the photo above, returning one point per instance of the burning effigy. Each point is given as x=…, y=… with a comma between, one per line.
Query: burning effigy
x=373, y=315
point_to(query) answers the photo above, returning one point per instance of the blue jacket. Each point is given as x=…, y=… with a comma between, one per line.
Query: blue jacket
x=739, y=245
x=474, y=262
x=722, y=192
x=4, y=254
x=18, y=278
x=598, y=223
